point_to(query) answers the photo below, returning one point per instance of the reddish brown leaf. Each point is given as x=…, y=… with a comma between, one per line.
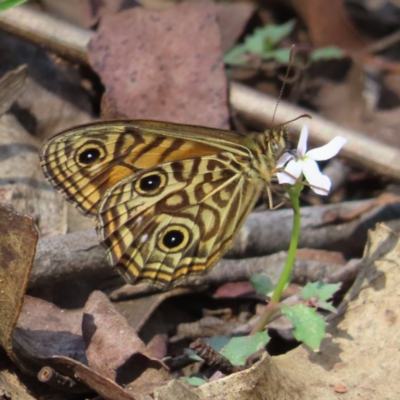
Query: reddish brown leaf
x=113, y=348
x=328, y=24
x=45, y=331
x=234, y=289
x=106, y=388
x=232, y=19
x=158, y=345
x=164, y=65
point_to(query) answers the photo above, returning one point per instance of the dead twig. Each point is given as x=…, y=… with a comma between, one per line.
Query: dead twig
x=42, y=29
x=257, y=108
x=78, y=254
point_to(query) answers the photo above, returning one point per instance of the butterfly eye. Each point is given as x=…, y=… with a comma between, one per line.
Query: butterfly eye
x=89, y=153
x=88, y=156
x=174, y=238
x=151, y=183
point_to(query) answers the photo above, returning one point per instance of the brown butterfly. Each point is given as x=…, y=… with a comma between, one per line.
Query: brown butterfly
x=168, y=198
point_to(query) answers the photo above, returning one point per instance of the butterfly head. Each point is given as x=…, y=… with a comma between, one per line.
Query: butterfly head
x=275, y=144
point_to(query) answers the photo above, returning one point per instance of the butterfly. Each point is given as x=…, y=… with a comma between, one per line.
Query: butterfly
x=168, y=198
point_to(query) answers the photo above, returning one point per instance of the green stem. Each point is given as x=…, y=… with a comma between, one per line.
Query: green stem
x=294, y=193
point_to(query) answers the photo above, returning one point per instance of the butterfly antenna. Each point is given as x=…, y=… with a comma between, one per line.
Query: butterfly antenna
x=295, y=119
x=291, y=55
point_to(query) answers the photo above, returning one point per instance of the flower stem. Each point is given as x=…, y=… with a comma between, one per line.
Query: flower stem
x=294, y=193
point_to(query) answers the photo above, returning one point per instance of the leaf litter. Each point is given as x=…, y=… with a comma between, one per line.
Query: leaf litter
x=93, y=347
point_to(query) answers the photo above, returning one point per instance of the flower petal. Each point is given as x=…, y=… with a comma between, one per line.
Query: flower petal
x=320, y=183
x=290, y=174
x=283, y=159
x=327, y=151
x=302, y=145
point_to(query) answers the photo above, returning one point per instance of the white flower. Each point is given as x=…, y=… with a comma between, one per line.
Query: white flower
x=305, y=163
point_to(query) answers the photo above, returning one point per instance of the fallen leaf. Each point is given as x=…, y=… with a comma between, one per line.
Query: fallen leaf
x=163, y=65
x=17, y=250
x=45, y=331
x=12, y=85
x=329, y=24
x=114, y=349
x=85, y=13
x=232, y=20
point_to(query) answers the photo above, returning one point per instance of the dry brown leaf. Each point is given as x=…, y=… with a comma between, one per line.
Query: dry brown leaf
x=47, y=335
x=53, y=97
x=17, y=250
x=12, y=84
x=115, y=351
x=232, y=19
x=106, y=388
x=329, y=24
x=44, y=331
x=85, y=13
x=206, y=327
x=163, y=65
x=234, y=289
x=137, y=311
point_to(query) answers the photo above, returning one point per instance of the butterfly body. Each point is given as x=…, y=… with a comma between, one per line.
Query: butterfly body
x=168, y=198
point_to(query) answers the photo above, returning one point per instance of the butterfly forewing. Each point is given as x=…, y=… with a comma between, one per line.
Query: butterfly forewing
x=85, y=162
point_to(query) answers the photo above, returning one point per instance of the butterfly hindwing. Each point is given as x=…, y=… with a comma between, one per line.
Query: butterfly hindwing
x=176, y=219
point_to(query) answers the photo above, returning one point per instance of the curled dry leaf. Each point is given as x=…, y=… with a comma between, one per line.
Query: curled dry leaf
x=177, y=74
x=17, y=250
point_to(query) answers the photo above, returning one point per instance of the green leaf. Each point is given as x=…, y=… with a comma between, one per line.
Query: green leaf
x=262, y=284
x=320, y=289
x=264, y=39
x=262, y=43
x=6, y=4
x=237, y=55
x=308, y=326
x=326, y=53
x=194, y=381
x=280, y=55
x=240, y=348
x=321, y=292
x=326, y=306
